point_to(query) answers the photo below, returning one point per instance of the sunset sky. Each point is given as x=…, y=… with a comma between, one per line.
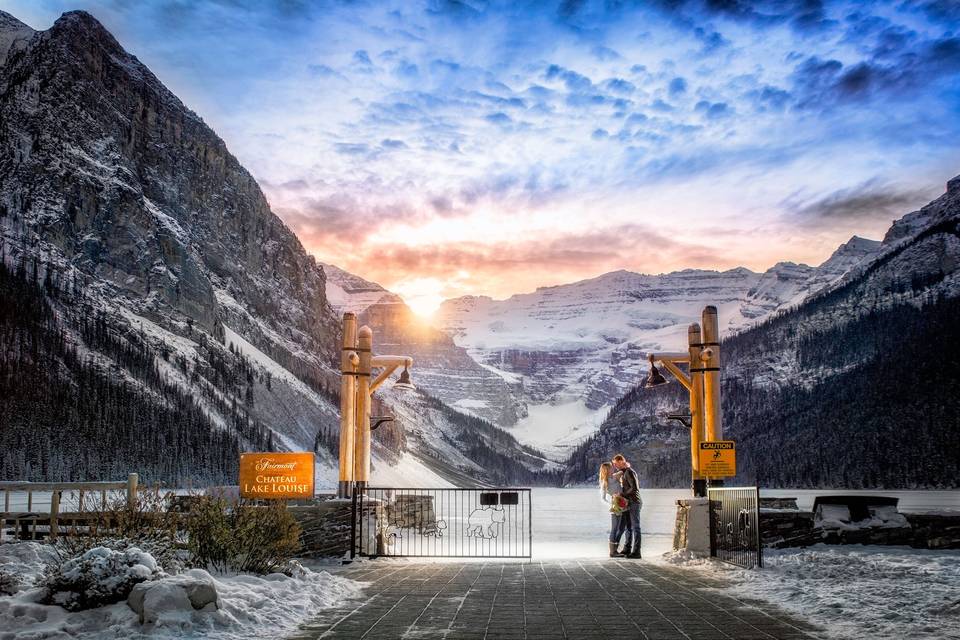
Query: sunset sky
x=451, y=148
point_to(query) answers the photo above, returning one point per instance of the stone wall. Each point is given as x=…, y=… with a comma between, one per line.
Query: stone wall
x=787, y=528
x=326, y=528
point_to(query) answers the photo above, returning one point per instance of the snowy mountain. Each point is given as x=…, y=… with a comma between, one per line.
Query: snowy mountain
x=173, y=318
x=853, y=387
x=125, y=200
x=441, y=368
x=576, y=348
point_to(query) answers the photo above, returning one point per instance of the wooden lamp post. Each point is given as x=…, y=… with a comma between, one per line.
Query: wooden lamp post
x=703, y=384
x=357, y=363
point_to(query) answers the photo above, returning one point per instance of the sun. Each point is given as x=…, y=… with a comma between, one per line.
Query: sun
x=423, y=295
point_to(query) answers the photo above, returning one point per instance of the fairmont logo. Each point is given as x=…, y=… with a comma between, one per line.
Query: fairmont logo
x=267, y=464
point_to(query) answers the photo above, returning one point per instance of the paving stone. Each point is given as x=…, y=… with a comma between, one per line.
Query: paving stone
x=575, y=600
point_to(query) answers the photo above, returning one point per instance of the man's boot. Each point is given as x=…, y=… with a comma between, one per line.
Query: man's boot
x=614, y=552
x=635, y=549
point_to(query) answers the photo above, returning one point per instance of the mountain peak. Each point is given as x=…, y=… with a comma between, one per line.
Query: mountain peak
x=80, y=17
x=86, y=27
x=9, y=22
x=849, y=254
x=11, y=30
x=953, y=185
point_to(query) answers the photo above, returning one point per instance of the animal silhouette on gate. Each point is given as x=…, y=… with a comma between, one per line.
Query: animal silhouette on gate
x=485, y=522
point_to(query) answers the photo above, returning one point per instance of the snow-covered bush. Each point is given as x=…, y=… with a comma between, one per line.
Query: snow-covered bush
x=170, y=556
x=242, y=537
x=98, y=577
x=9, y=583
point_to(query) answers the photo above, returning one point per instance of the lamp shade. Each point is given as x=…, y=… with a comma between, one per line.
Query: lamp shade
x=655, y=378
x=404, y=384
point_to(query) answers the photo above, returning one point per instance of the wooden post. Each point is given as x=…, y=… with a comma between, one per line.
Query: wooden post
x=348, y=381
x=696, y=409
x=54, y=512
x=361, y=455
x=711, y=374
x=132, y=481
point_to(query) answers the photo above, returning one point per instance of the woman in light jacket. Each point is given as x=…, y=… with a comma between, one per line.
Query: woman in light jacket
x=609, y=489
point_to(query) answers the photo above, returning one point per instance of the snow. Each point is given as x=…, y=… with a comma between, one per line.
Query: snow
x=409, y=471
x=167, y=222
x=556, y=429
x=251, y=606
x=851, y=591
x=276, y=371
x=835, y=516
x=861, y=592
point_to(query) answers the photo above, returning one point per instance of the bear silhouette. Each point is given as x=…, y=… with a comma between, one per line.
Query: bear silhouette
x=485, y=523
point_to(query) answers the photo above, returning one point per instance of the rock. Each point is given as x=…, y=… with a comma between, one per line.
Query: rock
x=192, y=590
x=163, y=598
x=200, y=588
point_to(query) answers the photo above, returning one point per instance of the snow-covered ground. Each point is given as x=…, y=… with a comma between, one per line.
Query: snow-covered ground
x=861, y=591
x=852, y=592
x=250, y=606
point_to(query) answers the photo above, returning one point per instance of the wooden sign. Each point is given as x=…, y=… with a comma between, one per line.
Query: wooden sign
x=718, y=459
x=276, y=475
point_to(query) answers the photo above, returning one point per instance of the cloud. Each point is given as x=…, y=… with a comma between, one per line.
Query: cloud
x=498, y=118
x=870, y=200
x=605, y=54
x=619, y=85
x=358, y=117
x=352, y=148
x=677, y=87
x=893, y=72
x=713, y=110
x=361, y=57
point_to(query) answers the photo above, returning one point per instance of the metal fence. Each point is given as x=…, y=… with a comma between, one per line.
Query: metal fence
x=450, y=523
x=735, y=525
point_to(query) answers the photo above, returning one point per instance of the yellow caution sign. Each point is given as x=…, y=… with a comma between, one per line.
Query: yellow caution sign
x=718, y=458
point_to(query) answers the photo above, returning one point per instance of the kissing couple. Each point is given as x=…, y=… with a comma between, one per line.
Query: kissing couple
x=620, y=490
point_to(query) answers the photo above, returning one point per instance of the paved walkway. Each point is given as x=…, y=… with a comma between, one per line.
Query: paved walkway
x=549, y=600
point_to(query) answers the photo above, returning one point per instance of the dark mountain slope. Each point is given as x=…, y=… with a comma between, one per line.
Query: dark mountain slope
x=856, y=387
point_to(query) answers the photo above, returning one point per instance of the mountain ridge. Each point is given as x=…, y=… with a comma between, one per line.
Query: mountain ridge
x=119, y=206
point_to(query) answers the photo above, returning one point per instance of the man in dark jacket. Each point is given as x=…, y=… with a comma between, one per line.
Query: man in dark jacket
x=631, y=491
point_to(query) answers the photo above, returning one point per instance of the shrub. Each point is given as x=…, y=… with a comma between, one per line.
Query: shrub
x=98, y=577
x=167, y=553
x=243, y=537
x=147, y=525
x=9, y=583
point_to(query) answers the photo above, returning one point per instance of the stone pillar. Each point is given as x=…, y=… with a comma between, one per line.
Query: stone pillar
x=692, y=529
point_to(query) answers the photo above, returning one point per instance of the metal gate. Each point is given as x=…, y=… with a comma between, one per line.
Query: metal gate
x=449, y=523
x=735, y=525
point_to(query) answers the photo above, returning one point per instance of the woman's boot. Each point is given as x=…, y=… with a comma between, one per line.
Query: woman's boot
x=614, y=552
x=634, y=552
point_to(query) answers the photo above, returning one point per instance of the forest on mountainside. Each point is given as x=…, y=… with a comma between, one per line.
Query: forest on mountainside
x=889, y=421
x=79, y=411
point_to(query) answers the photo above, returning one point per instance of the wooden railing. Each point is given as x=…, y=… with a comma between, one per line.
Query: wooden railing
x=26, y=523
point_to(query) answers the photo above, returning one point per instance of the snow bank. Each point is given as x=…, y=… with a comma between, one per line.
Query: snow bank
x=250, y=606
x=855, y=591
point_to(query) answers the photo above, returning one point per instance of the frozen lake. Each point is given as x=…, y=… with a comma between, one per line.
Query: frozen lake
x=572, y=523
